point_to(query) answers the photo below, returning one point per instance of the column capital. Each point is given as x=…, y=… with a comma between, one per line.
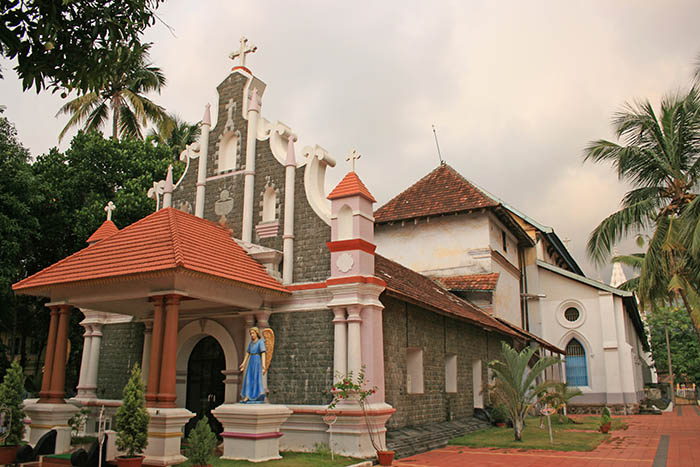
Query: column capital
x=354, y=313
x=339, y=315
x=262, y=317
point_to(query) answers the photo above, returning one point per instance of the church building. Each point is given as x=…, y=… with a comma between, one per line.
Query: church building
x=417, y=295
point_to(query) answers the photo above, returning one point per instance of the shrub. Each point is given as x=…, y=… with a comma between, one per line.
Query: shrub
x=11, y=397
x=201, y=443
x=131, y=419
x=605, y=417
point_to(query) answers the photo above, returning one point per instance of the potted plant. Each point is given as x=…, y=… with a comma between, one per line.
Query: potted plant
x=605, y=420
x=12, y=427
x=131, y=421
x=349, y=388
x=201, y=444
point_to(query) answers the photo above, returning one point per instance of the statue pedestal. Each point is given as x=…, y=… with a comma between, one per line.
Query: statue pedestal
x=252, y=431
x=164, y=433
x=47, y=417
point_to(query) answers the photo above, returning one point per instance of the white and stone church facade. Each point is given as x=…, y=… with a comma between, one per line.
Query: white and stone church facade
x=248, y=237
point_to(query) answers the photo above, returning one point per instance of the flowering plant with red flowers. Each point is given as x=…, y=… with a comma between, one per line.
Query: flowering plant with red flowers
x=349, y=387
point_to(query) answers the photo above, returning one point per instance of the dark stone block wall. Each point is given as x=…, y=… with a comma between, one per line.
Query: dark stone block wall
x=301, y=371
x=312, y=258
x=122, y=346
x=406, y=325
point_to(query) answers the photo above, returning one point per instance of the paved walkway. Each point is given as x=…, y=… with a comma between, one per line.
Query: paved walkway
x=671, y=439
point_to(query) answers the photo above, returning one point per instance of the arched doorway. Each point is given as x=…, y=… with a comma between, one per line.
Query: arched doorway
x=205, y=382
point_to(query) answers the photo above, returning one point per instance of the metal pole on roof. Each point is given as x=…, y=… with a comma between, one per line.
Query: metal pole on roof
x=438, y=145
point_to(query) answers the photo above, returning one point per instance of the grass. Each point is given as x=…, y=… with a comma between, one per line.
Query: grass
x=289, y=459
x=581, y=436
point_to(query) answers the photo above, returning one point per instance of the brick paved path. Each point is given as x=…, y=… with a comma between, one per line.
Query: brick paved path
x=671, y=439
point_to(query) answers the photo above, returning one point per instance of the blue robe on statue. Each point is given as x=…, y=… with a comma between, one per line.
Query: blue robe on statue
x=253, y=389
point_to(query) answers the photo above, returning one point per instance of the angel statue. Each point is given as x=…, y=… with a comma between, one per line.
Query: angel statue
x=255, y=365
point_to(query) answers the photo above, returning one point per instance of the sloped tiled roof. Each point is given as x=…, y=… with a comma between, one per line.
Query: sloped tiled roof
x=351, y=185
x=442, y=191
x=105, y=230
x=470, y=282
x=165, y=240
x=420, y=289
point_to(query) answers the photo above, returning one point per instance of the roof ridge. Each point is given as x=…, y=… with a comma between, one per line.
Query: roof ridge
x=175, y=237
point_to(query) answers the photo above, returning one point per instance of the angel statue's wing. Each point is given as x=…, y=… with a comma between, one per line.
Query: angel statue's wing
x=269, y=337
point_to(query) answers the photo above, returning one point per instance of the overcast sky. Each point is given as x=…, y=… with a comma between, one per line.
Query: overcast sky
x=515, y=89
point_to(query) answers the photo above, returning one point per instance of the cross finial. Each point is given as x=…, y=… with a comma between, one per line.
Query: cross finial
x=244, y=49
x=109, y=208
x=354, y=155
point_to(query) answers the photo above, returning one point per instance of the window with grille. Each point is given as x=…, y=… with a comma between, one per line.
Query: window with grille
x=572, y=314
x=576, y=370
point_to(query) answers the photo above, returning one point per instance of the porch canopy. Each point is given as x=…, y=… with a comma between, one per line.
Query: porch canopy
x=166, y=264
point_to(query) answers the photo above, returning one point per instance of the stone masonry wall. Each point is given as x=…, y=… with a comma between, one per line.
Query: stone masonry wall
x=406, y=325
x=122, y=346
x=301, y=371
x=311, y=256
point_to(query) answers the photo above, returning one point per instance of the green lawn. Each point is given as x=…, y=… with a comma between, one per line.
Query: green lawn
x=290, y=459
x=567, y=436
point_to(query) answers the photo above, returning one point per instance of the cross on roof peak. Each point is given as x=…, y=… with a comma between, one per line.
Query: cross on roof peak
x=109, y=208
x=243, y=50
x=354, y=155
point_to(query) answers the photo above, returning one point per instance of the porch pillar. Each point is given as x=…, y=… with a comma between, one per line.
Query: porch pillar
x=340, y=344
x=156, y=347
x=85, y=362
x=58, y=373
x=94, y=362
x=166, y=391
x=44, y=395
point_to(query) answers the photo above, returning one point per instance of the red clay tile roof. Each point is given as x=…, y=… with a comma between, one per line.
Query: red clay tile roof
x=417, y=288
x=442, y=191
x=470, y=282
x=351, y=185
x=165, y=240
x=105, y=230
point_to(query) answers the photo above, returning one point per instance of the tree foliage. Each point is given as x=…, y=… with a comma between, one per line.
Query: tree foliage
x=131, y=419
x=122, y=97
x=175, y=133
x=659, y=155
x=515, y=384
x=71, y=44
x=12, y=396
x=685, y=350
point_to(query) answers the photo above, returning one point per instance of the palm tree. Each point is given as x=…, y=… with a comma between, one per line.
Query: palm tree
x=122, y=95
x=660, y=158
x=175, y=133
x=515, y=383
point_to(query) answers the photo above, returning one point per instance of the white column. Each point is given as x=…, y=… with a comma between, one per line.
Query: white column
x=340, y=344
x=288, y=235
x=146, y=354
x=249, y=323
x=85, y=362
x=249, y=185
x=354, y=340
x=94, y=361
x=202, y=167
